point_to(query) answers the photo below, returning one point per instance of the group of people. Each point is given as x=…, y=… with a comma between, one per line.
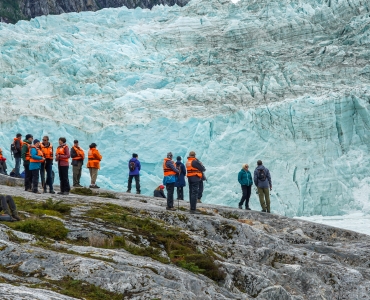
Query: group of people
x=38, y=157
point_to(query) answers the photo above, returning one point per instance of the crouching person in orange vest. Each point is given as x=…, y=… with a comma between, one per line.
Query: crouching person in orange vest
x=62, y=156
x=78, y=156
x=194, y=171
x=36, y=159
x=93, y=163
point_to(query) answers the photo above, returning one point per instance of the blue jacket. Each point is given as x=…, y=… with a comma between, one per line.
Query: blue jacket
x=35, y=165
x=137, y=164
x=180, y=179
x=245, y=177
x=262, y=184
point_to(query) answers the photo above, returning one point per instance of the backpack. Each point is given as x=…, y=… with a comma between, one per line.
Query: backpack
x=261, y=175
x=132, y=166
x=13, y=149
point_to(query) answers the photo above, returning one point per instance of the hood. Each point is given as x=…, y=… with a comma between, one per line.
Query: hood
x=133, y=159
x=27, y=141
x=262, y=167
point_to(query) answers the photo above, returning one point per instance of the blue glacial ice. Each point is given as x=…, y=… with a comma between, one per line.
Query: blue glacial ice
x=282, y=81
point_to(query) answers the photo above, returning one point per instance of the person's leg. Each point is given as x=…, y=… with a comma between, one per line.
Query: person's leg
x=244, y=196
x=79, y=172
x=67, y=187
x=4, y=205
x=182, y=193
x=49, y=176
x=261, y=197
x=1, y=168
x=248, y=195
x=75, y=171
x=137, y=183
x=91, y=173
x=200, y=190
x=17, y=166
x=60, y=171
x=5, y=167
x=26, y=184
x=94, y=175
x=170, y=189
x=129, y=185
x=267, y=197
x=42, y=173
x=12, y=207
x=35, y=180
x=194, y=190
x=178, y=192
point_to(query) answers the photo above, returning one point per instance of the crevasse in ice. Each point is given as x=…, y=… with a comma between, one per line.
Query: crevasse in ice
x=282, y=81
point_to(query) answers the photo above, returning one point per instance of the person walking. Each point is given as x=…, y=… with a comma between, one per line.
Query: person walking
x=262, y=179
x=194, y=173
x=17, y=153
x=134, y=167
x=78, y=156
x=25, y=155
x=169, y=179
x=36, y=158
x=159, y=192
x=180, y=179
x=246, y=182
x=3, y=166
x=62, y=156
x=93, y=163
x=7, y=205
x=47, y=166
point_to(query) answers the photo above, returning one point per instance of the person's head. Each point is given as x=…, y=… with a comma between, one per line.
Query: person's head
x=62, y=140
x=19, y=136
x=245, y=167
x=75, y=142
x=192, y=154
x=178, y=158
x=169, y=155
x=259, y=162
x=161, y=187
x=134, y=155
x=29, y=137
x=36, y=143
x=45, y=139
x=92, y=145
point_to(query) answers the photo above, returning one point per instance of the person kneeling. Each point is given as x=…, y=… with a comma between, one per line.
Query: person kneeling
x=8, y=206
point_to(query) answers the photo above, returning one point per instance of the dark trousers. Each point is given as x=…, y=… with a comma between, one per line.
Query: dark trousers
x=77, y=169
x=35, y=180
x=63, y=177
x=137, y=182
x=193, y=194
x=48, y=168
x=170, y=187
x=200, y=190
x=17, y=165
x=180, y=193
x=8, y=205
x=27, y=177
x=246, y=189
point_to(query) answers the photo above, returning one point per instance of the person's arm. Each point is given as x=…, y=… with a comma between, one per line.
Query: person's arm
x=183, y=169
x=170, y=165
x=97, y=155
x=139, y=165
x=34, y=154
x=240, y=177
x=269, y=178
x=255, y=178
x=24, y=151
x=196, y=164
x=73, y=153
x=162, y=194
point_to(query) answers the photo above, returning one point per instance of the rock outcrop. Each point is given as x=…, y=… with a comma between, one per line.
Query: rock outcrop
x=254, y=255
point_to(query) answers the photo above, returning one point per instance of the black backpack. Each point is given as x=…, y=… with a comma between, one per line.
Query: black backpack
x=13, y=149
x=261, y=175
x=132, y=166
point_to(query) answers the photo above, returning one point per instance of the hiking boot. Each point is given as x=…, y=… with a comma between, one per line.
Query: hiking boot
x=79, y=185
x=138, y=192
x=91, y=186
x=170, y=208
x=36, y=192
x=96, y=186
x=263, y=210
x=66, y=193
x=199, y=201
x=128, y=191
x=52, y=192
x=240, y=207
x=247, y=208
x=16, y=217
x=45, y=191
x=60, y=193
x=192, y=211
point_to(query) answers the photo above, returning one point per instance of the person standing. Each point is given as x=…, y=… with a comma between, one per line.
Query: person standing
x=169, y=179
x=62, y=156
x=3, y=166
x=246, y=182
x=36, y=158
x=180, y=179
x=134, y=166
x=262, y=179
x=25, y=154
x=78, y=156
x=47, y=166
x=194, y=173
x=17, y=153
x=93, y=163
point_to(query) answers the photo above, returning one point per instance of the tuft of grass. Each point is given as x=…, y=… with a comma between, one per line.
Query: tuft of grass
x=230, y=215
x=83, y=191
x=42, y=227
x=49, y=207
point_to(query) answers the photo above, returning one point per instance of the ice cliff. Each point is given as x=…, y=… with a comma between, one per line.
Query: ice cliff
x=282, y=81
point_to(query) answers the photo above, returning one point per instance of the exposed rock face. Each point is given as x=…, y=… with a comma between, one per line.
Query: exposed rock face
x=264, y=256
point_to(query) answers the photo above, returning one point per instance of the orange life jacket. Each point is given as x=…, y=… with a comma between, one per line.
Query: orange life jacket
x=94, y=158
x=168, y=171
x=47, y=151
x=28, y=153
x=1, y=156
x=190, y=170
x=39, y=153
x=80, y=153
x=20, y=142
x=61, y=151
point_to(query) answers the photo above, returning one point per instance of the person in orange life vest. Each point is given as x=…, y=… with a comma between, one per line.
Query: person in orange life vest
x=93, y=163
x=194, y=173
x=62, y=156
x=35, y=164
x=47, y=166
x=169, y=179
x=25, y=154
x=78, y=156
x=3, y=166
x=17, y=155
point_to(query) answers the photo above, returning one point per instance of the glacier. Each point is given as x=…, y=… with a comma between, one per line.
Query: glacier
x=284, y=81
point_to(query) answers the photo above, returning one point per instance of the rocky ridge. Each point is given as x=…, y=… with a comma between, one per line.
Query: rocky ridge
x=256, y=255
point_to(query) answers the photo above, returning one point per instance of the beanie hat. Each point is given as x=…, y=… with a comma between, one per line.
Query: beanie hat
x=161, y=186
x=36, y=141
x=93, y=145
x=169, y=155
x=29, y=136
x=75, y=141
x=192, y=154
x=19, y=135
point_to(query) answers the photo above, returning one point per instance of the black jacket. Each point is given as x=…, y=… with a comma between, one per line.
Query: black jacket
x=19, y=149
x=159, y=194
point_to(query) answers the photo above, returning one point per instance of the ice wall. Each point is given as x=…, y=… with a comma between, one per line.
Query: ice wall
x=282, y=81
